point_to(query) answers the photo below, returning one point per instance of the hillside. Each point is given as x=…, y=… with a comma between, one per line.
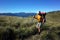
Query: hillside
x=24, y=28
x=54, y=17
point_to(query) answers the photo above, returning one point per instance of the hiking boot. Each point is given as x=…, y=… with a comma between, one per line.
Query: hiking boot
x=39, y=33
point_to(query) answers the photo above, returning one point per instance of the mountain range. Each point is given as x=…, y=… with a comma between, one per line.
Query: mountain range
x=22, y=14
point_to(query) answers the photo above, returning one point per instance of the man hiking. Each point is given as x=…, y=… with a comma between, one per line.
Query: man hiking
x=41, y=20
x=43, y=14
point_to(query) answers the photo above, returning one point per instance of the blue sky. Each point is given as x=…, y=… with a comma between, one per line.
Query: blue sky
x=29, y=5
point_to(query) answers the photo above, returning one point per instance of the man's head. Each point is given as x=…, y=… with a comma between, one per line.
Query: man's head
x=39, y=13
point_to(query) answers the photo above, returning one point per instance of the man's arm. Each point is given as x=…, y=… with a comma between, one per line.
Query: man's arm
x=34, y=16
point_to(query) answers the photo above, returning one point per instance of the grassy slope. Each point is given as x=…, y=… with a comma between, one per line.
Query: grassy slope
x=53, y=18
x=26, y=28
x=53, y=23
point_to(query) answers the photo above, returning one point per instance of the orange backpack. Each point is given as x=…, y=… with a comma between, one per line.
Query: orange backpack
x=39, y=18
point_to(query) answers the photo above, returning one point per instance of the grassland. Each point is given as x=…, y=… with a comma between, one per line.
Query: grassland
x=24, y=28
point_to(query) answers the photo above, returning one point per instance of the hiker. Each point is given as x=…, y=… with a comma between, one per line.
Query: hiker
x=43, y=14
x=41, y=20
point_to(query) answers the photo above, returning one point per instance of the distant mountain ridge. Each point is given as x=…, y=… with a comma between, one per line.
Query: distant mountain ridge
x=23, y=14
x=18, y=14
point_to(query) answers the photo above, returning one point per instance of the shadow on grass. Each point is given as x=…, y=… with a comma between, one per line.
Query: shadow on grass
x=50, y=36
x=28, y=34
x=23, y=36
x=8, y=35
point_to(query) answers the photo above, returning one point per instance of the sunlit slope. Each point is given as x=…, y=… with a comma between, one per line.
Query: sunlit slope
x=27, y=28
x=53, y=18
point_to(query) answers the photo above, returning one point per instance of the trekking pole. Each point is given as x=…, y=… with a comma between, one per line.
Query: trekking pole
x=32, y=20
